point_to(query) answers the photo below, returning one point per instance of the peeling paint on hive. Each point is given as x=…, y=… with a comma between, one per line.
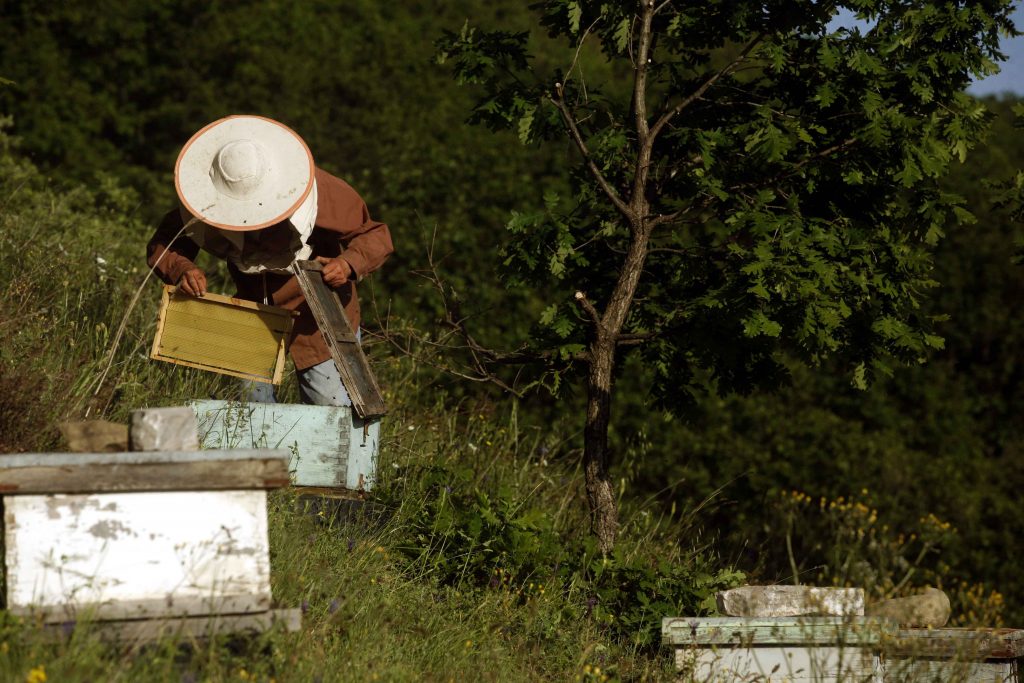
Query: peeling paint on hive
x=126, y=554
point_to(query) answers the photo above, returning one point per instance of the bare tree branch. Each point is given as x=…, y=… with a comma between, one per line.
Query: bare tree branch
x=480, y=363
x=821, y=154
x=635, y=339
x=585, y=304
x=579, y=46
x=577, y=138
x=667, y=218
x=782, y=175
x=699, y=92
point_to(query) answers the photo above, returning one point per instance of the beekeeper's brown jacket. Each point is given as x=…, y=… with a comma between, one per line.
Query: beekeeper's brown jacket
x=343, y=227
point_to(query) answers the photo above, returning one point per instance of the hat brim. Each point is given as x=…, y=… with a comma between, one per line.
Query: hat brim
x=288, y=184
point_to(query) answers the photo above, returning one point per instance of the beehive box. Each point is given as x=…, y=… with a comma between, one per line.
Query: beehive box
x=222, y=334
x=329, y=446
x=954, y=655
x=173, y=538
x=776, y=649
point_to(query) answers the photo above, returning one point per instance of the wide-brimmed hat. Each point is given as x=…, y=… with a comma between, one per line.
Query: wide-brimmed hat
x=244, y=173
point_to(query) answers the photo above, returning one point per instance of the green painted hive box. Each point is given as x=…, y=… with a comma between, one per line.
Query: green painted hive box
x=330, y=446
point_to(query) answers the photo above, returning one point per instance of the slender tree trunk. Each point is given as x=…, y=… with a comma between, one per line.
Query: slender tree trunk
x=604, y=513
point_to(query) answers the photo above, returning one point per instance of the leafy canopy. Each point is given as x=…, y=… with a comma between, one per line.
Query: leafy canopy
x=794, y=176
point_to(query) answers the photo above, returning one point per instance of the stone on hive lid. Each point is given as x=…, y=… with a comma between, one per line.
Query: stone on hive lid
x=95, y=436
x=928, y=609
x=164, y=429
x=790, y=601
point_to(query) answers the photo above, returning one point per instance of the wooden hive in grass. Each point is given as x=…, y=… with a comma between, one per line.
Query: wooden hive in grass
x=955, y=655
x=222, y=334
x=141, y=544
x=819, y=649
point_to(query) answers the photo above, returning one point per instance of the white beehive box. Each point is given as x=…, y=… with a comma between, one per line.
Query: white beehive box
x=110, y=537
x=776, y=649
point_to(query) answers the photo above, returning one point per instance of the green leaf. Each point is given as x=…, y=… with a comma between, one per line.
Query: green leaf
x=575, y=14
x=759, y=324
x=622, y=34
x=859, y=379
x=526, y=123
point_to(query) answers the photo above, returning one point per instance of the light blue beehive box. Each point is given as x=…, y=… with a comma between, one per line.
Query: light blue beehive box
x=330, y=446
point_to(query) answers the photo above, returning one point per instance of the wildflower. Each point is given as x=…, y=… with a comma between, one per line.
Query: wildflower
x=36, y=675
x=469, y=644
x=333, y=607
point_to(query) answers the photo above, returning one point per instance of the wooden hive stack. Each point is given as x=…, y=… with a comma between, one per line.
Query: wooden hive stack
x=333, y=449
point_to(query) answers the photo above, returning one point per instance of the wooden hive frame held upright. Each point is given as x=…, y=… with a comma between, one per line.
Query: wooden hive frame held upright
x=341, y=339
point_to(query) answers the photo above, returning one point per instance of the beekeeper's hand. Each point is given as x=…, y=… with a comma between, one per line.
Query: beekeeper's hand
x=337, y=271
x=193, y=282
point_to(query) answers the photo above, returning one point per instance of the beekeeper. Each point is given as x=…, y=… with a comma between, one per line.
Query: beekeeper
x=261, y=203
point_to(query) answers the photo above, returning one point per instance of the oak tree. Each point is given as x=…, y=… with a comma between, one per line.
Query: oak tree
x=764, y=189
